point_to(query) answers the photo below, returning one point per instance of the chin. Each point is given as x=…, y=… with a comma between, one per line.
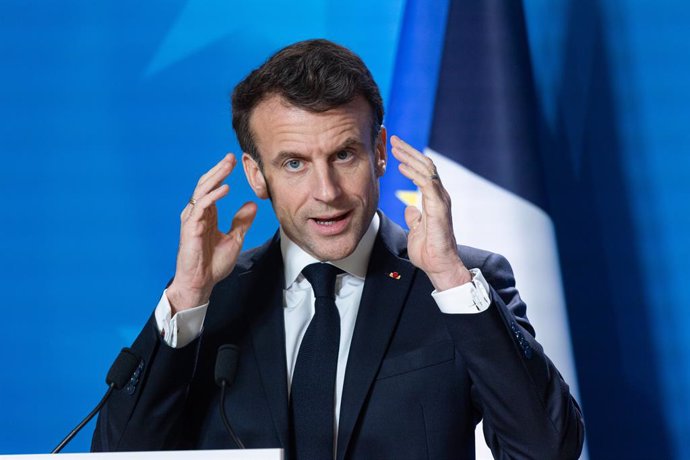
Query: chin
x=333, y=250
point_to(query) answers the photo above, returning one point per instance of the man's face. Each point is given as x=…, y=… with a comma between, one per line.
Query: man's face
x=320, y=170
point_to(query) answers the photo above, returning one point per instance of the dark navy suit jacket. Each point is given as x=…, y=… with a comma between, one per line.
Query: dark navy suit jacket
x=417, y=380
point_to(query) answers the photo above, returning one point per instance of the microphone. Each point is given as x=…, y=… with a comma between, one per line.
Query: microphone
x=226, y=367
x=118, y=376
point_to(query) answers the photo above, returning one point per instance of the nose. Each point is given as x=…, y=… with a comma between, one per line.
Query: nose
x=326, y=185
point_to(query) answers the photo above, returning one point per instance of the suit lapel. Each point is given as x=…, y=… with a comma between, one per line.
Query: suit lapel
x=388, y=281
x=265, y=295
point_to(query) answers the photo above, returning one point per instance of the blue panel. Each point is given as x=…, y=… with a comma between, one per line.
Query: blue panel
x=110, y=112
x=612, y=80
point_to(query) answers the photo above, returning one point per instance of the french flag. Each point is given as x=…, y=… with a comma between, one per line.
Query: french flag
x=463, y=92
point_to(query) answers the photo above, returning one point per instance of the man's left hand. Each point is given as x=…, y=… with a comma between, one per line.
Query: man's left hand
x=430, y=243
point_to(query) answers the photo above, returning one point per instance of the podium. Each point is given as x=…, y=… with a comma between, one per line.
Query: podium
x=246, y=454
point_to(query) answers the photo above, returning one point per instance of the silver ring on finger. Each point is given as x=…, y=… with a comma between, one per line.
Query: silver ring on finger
x=192, y=201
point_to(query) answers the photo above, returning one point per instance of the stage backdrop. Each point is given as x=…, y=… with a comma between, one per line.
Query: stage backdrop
x=109, y=111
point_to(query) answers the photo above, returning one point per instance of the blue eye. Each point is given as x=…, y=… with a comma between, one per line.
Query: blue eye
x=343, y=155
x=293, y=164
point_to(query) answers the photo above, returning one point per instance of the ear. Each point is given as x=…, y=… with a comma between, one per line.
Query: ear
x=255, y=176
x=380, y=153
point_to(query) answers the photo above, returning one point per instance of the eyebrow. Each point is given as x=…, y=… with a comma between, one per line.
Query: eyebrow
x=286, y=154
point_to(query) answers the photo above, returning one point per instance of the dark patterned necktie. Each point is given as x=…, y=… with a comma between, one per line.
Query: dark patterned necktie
x=312, y=393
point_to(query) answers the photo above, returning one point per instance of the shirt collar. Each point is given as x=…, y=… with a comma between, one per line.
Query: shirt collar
x=295, y=258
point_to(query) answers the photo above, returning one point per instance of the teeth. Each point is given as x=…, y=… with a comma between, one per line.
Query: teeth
x=329, y=222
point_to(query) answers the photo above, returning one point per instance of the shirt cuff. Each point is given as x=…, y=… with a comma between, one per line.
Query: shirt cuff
x=179, y=330
x=468, y=298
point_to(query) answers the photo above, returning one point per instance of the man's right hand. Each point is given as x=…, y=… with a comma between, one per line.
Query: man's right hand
x=206, y=255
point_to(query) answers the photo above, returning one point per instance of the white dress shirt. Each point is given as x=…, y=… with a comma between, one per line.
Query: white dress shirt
x=298, y=303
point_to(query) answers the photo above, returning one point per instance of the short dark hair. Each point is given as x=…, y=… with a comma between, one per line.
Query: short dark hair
x=315, y=75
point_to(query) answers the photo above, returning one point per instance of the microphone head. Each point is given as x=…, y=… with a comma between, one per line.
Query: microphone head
x=226, y=364
x=122, y=369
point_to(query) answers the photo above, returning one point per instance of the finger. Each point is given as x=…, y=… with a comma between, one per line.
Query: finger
x=416, y=166
x=423, y=165
x=208, y=181
x=406, y=148
x=206, y=201
x=412, y=217
x=435, y=198
x=215, y=176
x=412, y=157
x=216, y=167
x=196, y=203
x=427, y=184
x=242, y=221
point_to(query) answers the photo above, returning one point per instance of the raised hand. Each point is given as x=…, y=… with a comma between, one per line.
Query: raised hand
x=431, y=243
x=206, y=255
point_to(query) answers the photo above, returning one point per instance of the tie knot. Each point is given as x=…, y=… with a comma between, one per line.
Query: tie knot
x=321, y=276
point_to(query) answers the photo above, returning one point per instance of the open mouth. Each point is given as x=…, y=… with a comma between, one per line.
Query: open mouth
x=330, y=220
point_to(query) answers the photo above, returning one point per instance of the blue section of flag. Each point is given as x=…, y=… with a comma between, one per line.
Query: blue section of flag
x=413, y=90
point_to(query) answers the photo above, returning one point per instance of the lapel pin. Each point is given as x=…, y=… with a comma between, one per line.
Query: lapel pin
x=394, y=275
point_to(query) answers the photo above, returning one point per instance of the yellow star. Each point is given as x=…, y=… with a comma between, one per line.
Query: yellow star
x=409, y=197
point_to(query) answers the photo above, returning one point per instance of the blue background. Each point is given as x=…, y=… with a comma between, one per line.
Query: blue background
x=110, y=111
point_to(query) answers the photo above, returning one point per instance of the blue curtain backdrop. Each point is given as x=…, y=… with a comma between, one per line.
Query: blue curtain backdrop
x=110, y=111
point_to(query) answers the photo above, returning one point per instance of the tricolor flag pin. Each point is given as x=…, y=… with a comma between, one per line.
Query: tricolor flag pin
x=394, y=275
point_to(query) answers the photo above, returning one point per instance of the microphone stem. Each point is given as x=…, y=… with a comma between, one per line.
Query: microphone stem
x=225, y=417
x=88, y=418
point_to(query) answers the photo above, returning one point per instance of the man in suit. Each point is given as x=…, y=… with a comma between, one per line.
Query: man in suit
x=396, y=353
